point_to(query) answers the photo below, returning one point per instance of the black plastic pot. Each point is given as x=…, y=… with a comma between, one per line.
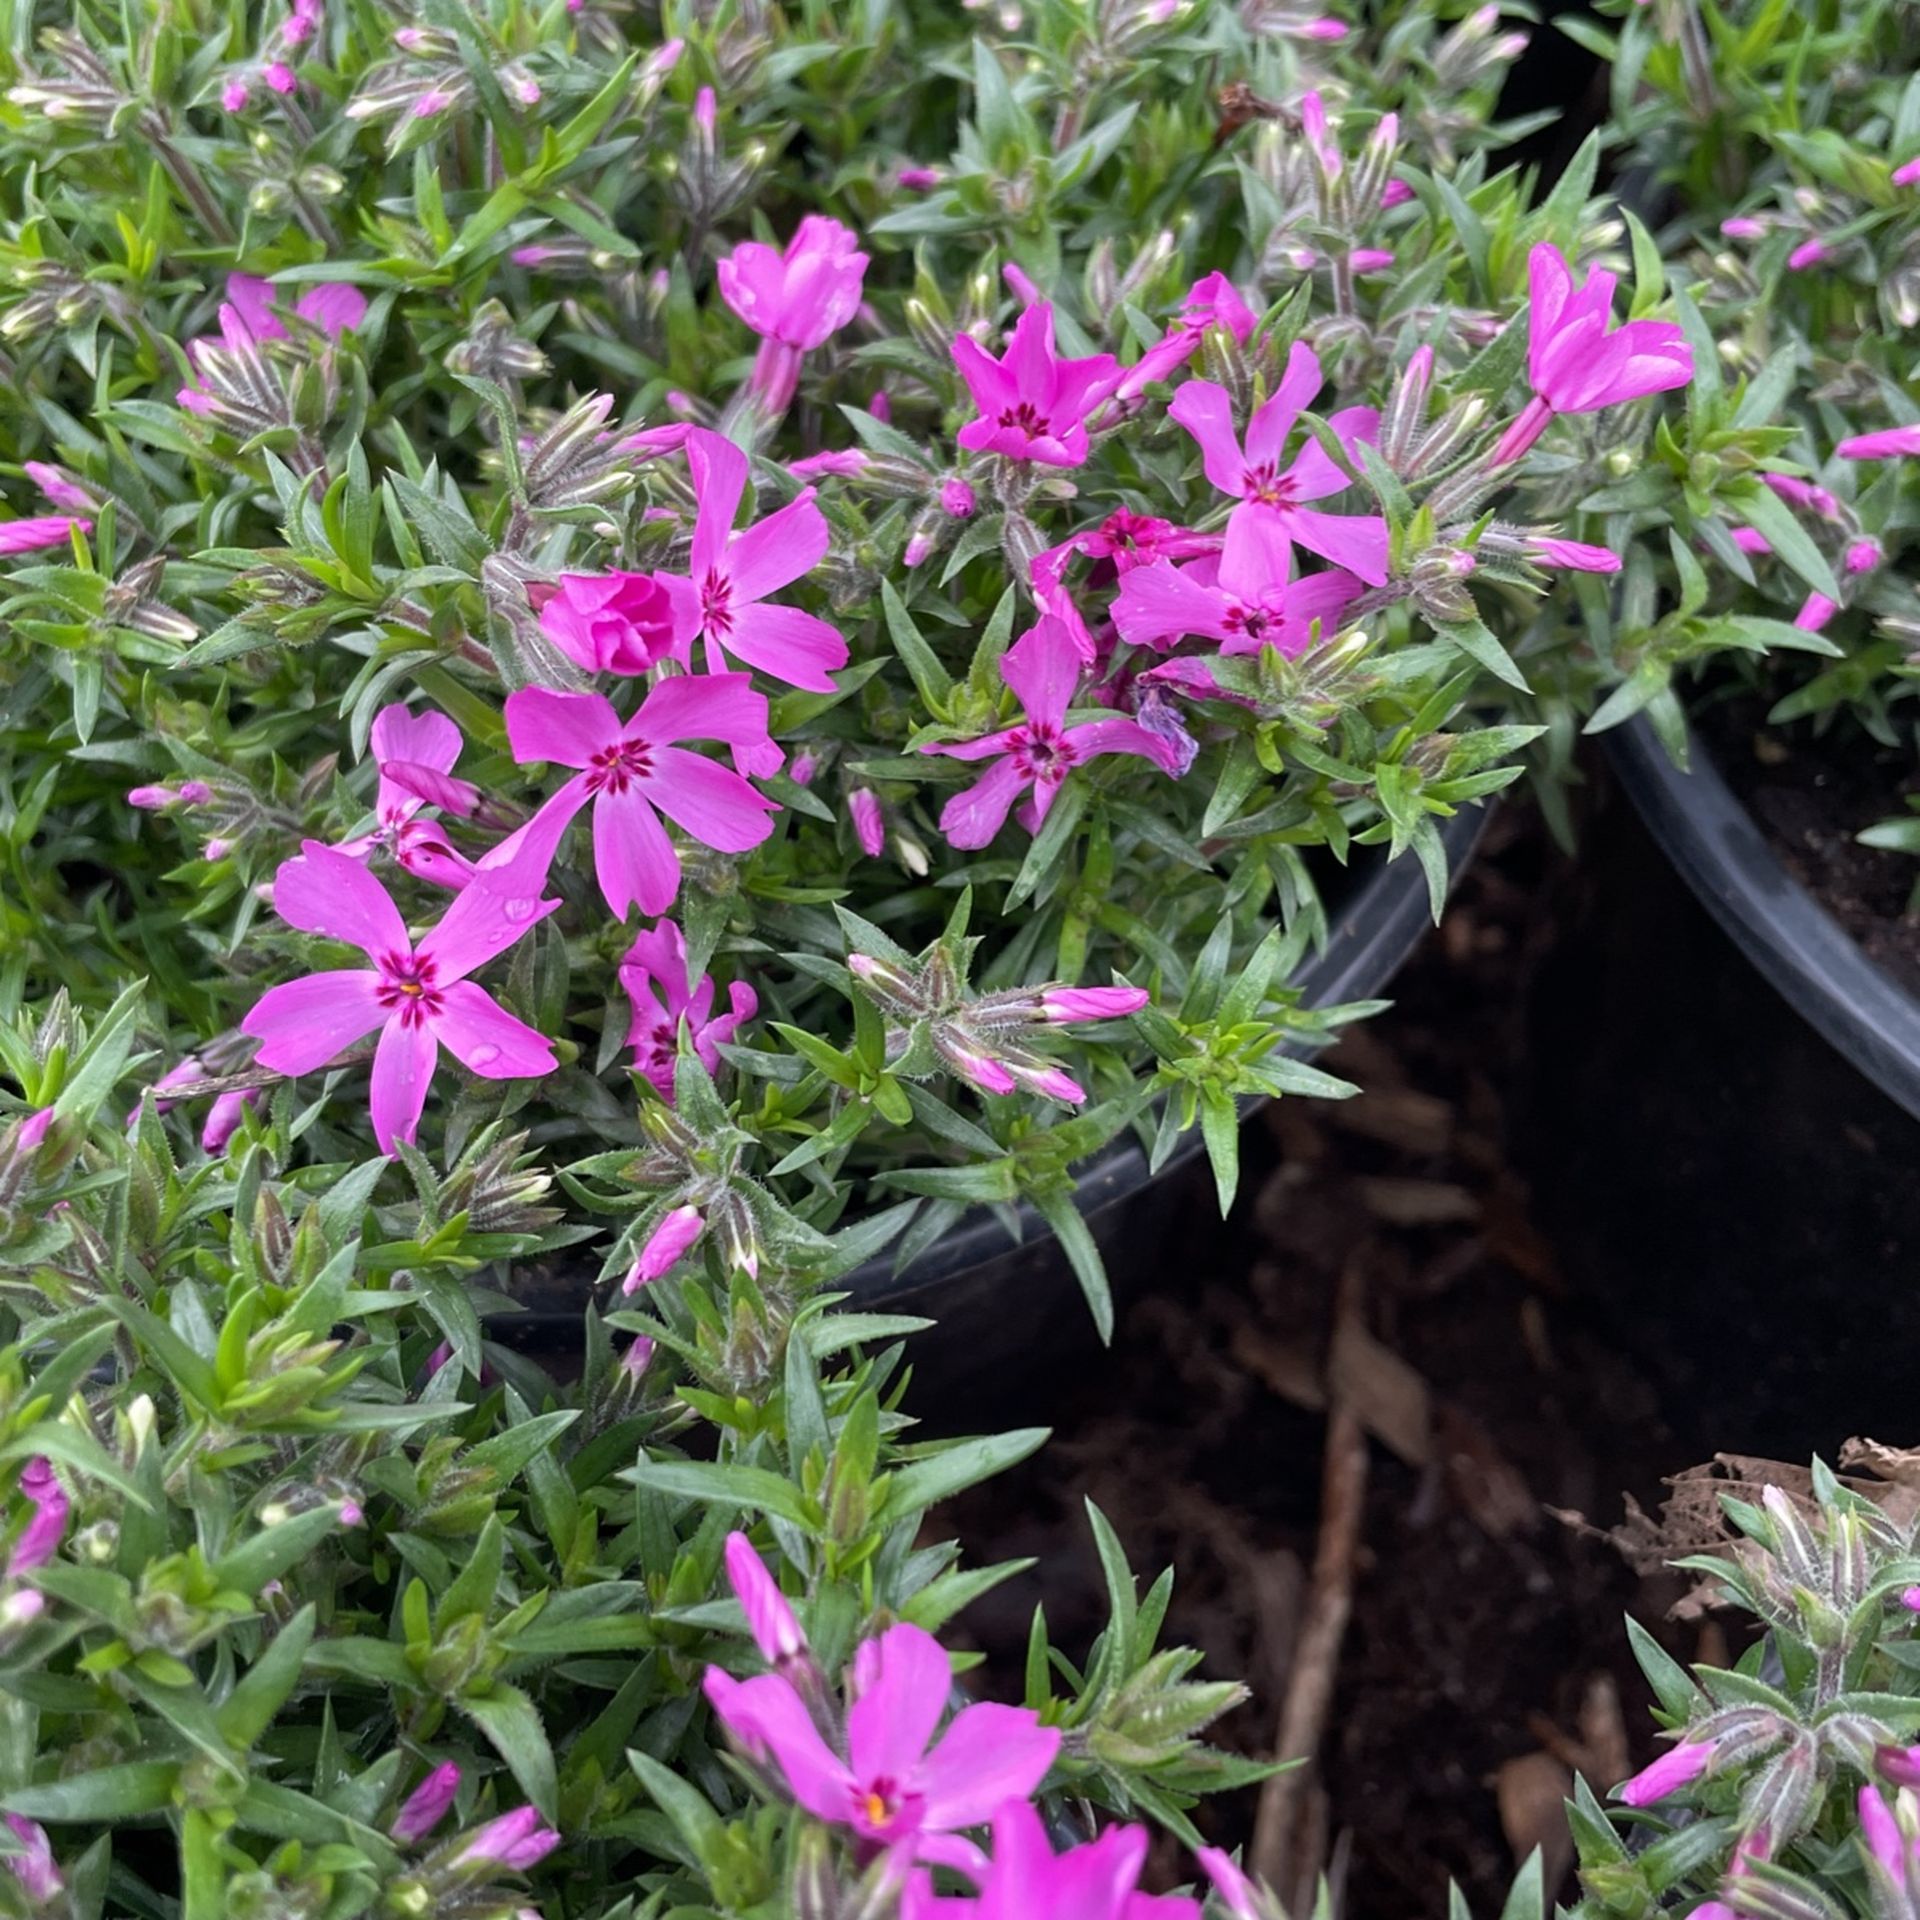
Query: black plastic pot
x=1000, y=1302
x=1722, y=1126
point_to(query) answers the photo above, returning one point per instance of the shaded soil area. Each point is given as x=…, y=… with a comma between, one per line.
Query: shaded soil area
x=1813, y=793
x=1387, y=1268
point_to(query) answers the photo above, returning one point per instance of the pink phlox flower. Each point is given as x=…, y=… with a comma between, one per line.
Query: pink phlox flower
x=633, y=771
x=1043, y=669
x=1246, y=599
x=654, y=973
x=45, y=530
x=46, y=1526
x=1027, y=1880
x=1130, y=540
x=417, y=997
x=1032, y=404
x=1887, y=443
x=33, y=1865
x=1254, y=475
x=1235, y=1891
x=427, y=1805
x=800, y=297
x=1578, y=360
x=888, y=1786
x=610, y=622
x=723, y=598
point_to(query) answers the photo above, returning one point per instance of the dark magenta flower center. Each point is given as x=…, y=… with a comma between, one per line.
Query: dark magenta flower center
x=716, y=602
x=1267, y=485
x=407, y=987
x=1042, y=751
x=613, y=769
x=1025, y=417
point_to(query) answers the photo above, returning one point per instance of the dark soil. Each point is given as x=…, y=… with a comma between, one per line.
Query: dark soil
x=1813, y=793
x=1485, y=1654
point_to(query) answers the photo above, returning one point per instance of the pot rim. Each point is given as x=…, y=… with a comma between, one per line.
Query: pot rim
x=1373, y=932
x=1802, y=951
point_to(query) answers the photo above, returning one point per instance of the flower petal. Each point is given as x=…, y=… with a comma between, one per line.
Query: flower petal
x=779, y=549
x=326, y=892
x=1268, y=429
x=1356, y=541
x=402, y=1072
x=769, y=1718
x=790, y=644
x=702, y=706
x=565, y=728
x=303, y=1024
x=909, y=1679
x=1160, y=602
x=488, y=915
x=1043, y=667
x=1206, y=411
x=632, y=856
x=719, y=471
x=990, y=1754
x=488, y=1040
x=709, y=801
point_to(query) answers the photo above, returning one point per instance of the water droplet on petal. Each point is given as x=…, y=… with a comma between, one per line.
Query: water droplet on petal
x=519, y=910
x=483, y=1055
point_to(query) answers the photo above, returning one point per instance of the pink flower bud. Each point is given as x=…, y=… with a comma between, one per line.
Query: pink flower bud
x=1815, y=611
x=40, y=1539
x=1021, y=286
x=1674, y=1769
x=705, y=111
x=233, y=96
x=801, y=773
x=59, y=490
x=1809, y=253
x=776, y=1632
x=869, y=827
x=637, y=1358
x=1370, y=259
x=1751, y=540
x=1882, y=1835
x=1093, y=1003
x=427, y=1805
x=925, y=179
x=1396, y=193
x=1889, y=443
x=32, y=1130
x=668, y=1241
x=279, y=76
x=433, y=101
x=1743, y=226
x=1905, y=176
x=217, y=848
x=1324, y=27
x=512, y=1843
x=1863, y=556
x=33, y=1866
x=958, y=498
x=352, y=1514
x=915, y=553
x=1901, y=1765
x=1573, y=554
x=847, y=462
x=1057, y=1086
x=881, y=406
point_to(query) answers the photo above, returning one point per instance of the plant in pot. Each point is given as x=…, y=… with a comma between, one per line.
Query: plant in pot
x=1775, y=157
x=822, y=607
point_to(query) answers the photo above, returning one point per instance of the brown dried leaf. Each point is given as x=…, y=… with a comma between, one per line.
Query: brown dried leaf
x=1483, y=1480
x=1389, y=1396
x=1405, y=1202
x=1531, y=1791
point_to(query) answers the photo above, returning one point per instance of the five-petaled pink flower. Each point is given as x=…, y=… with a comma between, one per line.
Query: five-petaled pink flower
x=1255, y=476
x=724, y=599
x=1033, y=405
x=417, y=997
x=1246, y=598
x=628, y=769
x=1578, y=360
x=654, y=973
x=610, y=622
x=887, y=1786
x=1043, y=668
x=1027, y=1880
